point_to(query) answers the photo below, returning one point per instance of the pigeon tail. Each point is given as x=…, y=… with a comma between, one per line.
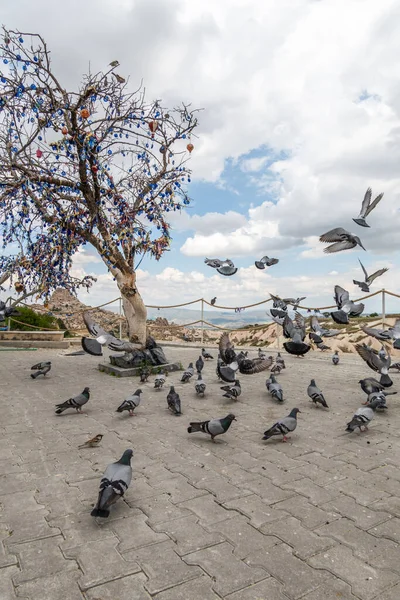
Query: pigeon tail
x=34, y=375
x=100, y=512
x=194, y=427
x=361, y=222
x=297, y=348
x=339, y=316
x=396, y=344
x=386, y=381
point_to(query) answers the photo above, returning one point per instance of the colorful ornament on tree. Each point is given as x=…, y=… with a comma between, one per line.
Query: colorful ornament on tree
x=153, y=126
x=190, y=148
x=18, y=287
x=64, y=131
x=39, y=153
x=85, y=114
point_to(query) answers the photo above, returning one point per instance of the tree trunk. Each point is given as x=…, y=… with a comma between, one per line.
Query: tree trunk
x=134, y=308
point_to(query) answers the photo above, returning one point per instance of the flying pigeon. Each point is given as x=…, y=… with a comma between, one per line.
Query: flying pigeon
x=199, y=364
x=200, y=386
x=363, y=416
x=284, y=426
x=315, y=394
x=206, y=355
x=93, y=442
x=278, y=315
x=369, y=385
x=232, y=391
x=346, y=307
x=367, y=207
x=77, y=402
x=227, y=270
x=294, y=301
x=280, y=361
x=335, y=358
x=318, y=341
x=392, y=333
x=296, y=331
x=188, y=374
x=94, y=346
x=395, y=366
x=275, y=389
x=41, y=368
x=364, y=285
x=278, y=303
x=265, y=261
x=214, y=263
x=130, y=403
x=174, y=402
x=322, y=331
x=231, y=362
x=213, y=427
x=160, y=380
x=113, y=484
x=343, y=240
x=375, y=363
x=213, y=301
x=7, y=311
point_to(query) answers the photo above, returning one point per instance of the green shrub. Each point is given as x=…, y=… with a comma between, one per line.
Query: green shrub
x=27, y=315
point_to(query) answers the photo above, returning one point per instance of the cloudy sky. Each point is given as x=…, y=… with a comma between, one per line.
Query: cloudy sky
x=301, y=114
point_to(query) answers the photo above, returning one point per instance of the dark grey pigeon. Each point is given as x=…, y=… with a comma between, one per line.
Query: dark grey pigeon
x=77, y=402
x=280, y=361
x=347, y=308
x=380, y=398
x=227, y=270
x=284, y=426
x=200, y=385
x=367, y=207
x=174, y=402
x=160, y=380
x=278, y=303
x=213, y=427
x=213, y=300
x=343, y=240
x=232, y=391
x=130, y=403
x=275, y=389
x=188, y=374
x=362, y=417
x=296, y=331
x=376, y=363
x=199, y=364
x=322, y=331
x=214, y=263
x=335, y=358
x=315, y=394
x=113, y=484
x=369, y=385
x=102, y=338
x=364, y=285
x=41, y=368
x=265, y=261
x=318, y=341
x=392, y=333
x=231, y=362
x=206, y=355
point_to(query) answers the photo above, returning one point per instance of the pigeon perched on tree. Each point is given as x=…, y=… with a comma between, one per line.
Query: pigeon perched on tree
x=188, y=374
x=199, y=364
x=231, y=362
x=343, y=240
x=174, y=402
x=113, y=484
x=322, y=331
x=364, y=285
x=376, y=363
x=93, y=442
x=232, y=391
x=392, y=333
x=213, y=301
x=363, y=416
x=318, y=341
x=347, y=308
x=335, y=358
x=213, y=427
x=206, y=355
x=114, y=63
x=316, y=395
x=94, y=346
x=130, y=403
x=296, y=331
x=160, y=380
x=367, y=207
x=77, y=402
x=284, y=426
x=200, y=386
x=275, y=389
x=41, y=368
x=265, y=261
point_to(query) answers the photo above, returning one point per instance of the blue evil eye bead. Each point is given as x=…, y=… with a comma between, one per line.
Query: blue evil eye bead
x=21, y=40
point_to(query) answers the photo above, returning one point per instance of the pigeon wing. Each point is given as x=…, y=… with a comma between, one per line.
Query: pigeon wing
x=339, y=246
x=376, y=274
x=92, y=327
x=226, y=349
x=341, y=296
x=121, y=345
x=227, y=270
x=365, y=203
x=315, y=326
x=364, y=270
x=334, y=235
x=373, y=204
x=288, y=327
x=248, y=367
x=372, y=359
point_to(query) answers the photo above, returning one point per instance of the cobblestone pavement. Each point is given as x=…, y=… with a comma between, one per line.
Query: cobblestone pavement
x=317, y=518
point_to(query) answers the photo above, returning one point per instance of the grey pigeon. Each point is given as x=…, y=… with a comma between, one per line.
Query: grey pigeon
x=227, y=270
x=102, y=338
x=268, y=382
x=294, y=301
x=275, y=389
x=174, y=402
x=375, y=363
x=395, y=366
x=231, y=362
x=232, y=391
x=186, y=338
x=145, y=374
x=276, y=369
x=214, y=263
x=261, y=354
x=206, y=355
x=322, y=331
x=363, y=416
x=364, y=285
x=295, y=330
x=160, y=380
x=318, y=341
x=278, y=315
x=130, y=403
x=7, y=311
x=77, y=402
x=347, y=308
x=200, y=386
x=284, y=426
x=41, y=368
x=335, y=358
x=369, y=385
x=278, y=302
x=199, y=364
x=113, y=484
x=380, y=398
x=343, y=240
x=280, y=361
x=213, y=300
x=367, y=207
x=382, y=353
x=188, y=374
x=392, y=333
x=213, y=427
x=315, y=394
x=265, y=261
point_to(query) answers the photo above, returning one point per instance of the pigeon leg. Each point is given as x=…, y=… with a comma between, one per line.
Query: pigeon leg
x=132, y=414
x=284, y=439
x=80, y=411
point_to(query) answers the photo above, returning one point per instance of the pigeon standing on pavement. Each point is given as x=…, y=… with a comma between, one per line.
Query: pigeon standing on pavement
x=199, y=364
x=188, y=374
x=206, y=355
x=77, y=402
x=113, y=484
x=174, y=401
x=160, y=380
x=276, y=369
x=335, y=358
x=315, y=394
x=318, y=341
x=200, y=386
x=284, y=426
x=367, y=207
x=130, y=403
x=363, y=416
x=364, y=285
x=346, y=307
x=41, y=368
x=376, y=363
x=340, y=239
x=213, y=427
x=380, y=398
x=280, y=361
x=145, y=374
x=369, y=385
x=232, y=391
x=93, y=442
x=275, y=389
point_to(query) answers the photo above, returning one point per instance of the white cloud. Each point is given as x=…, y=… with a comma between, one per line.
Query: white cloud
x=211, y=222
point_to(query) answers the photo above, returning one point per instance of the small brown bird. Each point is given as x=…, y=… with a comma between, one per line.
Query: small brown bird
x=93, y=442
x=119, y=78
x=114, y=63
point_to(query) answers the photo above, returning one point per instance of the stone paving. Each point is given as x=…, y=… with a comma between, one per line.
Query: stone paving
x=317, y=518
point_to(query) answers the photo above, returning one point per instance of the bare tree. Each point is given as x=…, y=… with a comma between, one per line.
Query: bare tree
x=98, y=166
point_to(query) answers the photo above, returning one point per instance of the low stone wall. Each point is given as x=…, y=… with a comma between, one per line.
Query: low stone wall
x=32, y=336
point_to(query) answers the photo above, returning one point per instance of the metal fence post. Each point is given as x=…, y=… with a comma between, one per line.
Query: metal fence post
x=202, y=321
x=383, y=308
x=120, y=317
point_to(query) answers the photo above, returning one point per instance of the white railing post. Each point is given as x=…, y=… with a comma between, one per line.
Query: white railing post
x=202, y=321
x=383, y=308
x=120, y=318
